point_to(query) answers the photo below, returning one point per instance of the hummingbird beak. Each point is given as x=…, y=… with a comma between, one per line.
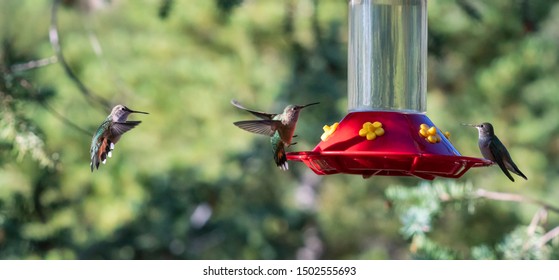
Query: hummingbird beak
x=132, y=111
x=472, y=125
x=301, y=107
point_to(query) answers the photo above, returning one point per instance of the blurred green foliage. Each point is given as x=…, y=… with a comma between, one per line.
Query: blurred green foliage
x=423, y=209
x=187, y=184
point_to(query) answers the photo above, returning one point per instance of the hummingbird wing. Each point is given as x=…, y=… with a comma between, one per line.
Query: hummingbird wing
x=103, y=142
x=506, y=158
x=265, y=127
x=500, y=154
x=261, y=115
x=119, y=128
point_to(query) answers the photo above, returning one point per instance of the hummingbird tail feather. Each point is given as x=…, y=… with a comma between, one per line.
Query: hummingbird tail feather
x=94, y=163
x=519, y=173
x=104, y=151
x=280, y=157
x=111, y=148
x=504, y=168
x=511, y=166
x=284, y=167
x=94, y=160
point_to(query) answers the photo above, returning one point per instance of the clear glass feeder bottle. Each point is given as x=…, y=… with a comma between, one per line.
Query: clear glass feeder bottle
x=387, y=66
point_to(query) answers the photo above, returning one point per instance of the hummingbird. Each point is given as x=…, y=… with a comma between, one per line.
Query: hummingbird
x=280, y=127
x=109, y=132
x=492, y=149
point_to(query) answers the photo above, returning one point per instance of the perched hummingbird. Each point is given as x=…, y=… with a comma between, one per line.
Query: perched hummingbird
x=492, y=149
x=109, y=132
x=280, y=127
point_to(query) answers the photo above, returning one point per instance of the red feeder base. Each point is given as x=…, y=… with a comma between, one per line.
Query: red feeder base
x=400, y=151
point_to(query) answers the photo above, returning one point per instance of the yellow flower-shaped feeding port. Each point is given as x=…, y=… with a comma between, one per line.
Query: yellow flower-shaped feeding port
x=328, y=130
x=371, y=130
x=429, y=133
x=447, y=135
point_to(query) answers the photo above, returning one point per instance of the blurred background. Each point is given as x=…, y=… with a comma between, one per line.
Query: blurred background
x=188, y=184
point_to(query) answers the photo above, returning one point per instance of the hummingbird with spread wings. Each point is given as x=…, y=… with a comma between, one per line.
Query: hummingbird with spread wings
x=109, y=132
x=493, y=149
x=280, y=128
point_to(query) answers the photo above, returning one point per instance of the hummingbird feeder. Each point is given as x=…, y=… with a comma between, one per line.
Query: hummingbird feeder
x=386, y=131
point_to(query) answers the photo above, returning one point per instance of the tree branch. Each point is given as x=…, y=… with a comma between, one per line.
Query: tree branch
x=549, y=236
x=54, y=39
x=27, y=85
x=541, y=215
x=481, y=193
x=33, y=64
